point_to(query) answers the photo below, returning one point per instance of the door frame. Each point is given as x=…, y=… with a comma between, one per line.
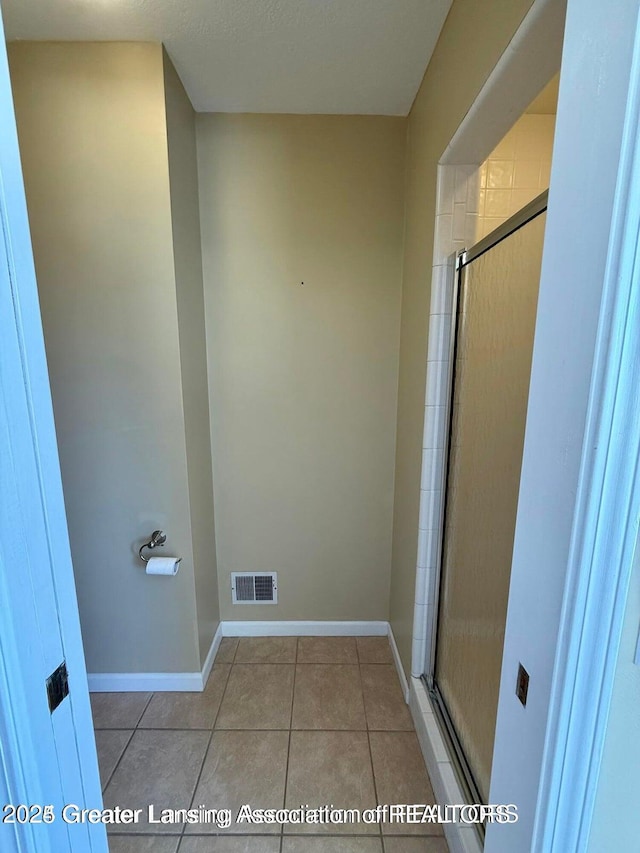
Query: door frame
x=45, y=756
x=605, y=529
x=561, y=733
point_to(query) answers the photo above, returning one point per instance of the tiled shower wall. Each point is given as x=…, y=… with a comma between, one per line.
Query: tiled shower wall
x=456, y=223
x=471, y=202
x=515, y=172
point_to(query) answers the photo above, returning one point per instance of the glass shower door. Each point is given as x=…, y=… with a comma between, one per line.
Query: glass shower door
x=497, y=299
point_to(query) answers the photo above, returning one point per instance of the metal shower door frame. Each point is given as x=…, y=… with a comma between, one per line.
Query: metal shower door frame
x=530, y=211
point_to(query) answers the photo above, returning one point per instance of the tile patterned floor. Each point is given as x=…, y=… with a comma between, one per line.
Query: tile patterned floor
x=282, y=722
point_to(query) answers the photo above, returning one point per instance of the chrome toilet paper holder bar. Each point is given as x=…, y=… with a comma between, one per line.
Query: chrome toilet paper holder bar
x=158, y=538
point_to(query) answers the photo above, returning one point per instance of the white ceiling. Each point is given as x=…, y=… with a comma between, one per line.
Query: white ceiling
x=284, y=56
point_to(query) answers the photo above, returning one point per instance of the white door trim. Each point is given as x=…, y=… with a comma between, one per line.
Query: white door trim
x=585, y=656
x=46, y=757
x=605, y=528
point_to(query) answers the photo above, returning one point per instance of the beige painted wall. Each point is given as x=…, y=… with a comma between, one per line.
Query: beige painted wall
x=93, y=140
x=303, y=377
x=472, y=40
x=185, y=218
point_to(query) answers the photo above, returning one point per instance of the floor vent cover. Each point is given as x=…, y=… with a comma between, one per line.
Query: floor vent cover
x=254, y=588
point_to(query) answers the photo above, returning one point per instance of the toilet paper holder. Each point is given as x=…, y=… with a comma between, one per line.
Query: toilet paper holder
x=158, y=538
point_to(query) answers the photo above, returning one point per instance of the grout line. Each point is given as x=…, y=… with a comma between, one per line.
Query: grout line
x=133, y=731
x=286, y=772
x=224, y=693
x=375, y=787
x=364, y=704
x=197, y=782
x=117, y=764
x=144, y=710
x=206, y=752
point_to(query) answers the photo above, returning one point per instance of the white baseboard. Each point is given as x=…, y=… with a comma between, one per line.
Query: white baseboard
x=136, y=682
x=447, y=789
x=211, y=655
x=156, y=682
x=304, y=629
x=396, y=659
x=116, y=682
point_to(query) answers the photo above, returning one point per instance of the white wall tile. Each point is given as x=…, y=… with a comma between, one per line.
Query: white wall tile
x=500, y=174
x=443, y=237
x=434, y=426
x=459, y=221
x=471, y=228
x=491, y=222
x=527, y=174
x=473, y=194
x=497, y=203
x=439, y=337
x=429, y=540
x=462, y=176
x=422, y=585
x=545, y=174
x=515, y=172
x=442, y=289
x=446, y=189
x=519, y=197
x=432, y=463
x=418, y=652
x=421, y=621
x=437, y=376
x=429, y=516
x=423, y=544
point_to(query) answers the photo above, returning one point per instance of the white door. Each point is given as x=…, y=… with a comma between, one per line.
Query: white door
x=47, y=758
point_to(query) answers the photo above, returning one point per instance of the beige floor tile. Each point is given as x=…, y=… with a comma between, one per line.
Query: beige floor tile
x=118, y=710
x=328, y=696
x=330, y=768
x=227, y=650
x=142, y=844
x=327, y=650
x=415, y=845
x=258, y=696
x=266, y=650
x=383, y=700
x=159, y=768
x=243, y=767
x=331, y=845
x=227, y=844
x=401, y=777
x=188, y=710
x=374, y=650
x=110, y=746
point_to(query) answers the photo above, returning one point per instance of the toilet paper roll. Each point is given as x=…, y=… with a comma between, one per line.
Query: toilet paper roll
x=163, y=565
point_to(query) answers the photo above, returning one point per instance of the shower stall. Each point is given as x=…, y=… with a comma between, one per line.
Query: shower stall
x=495, y=301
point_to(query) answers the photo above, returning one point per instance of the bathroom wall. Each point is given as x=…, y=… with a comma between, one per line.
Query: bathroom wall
x=474, y=36
x=302, y=243
x=93, y=137
x=516, y=171
x=185, y=220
